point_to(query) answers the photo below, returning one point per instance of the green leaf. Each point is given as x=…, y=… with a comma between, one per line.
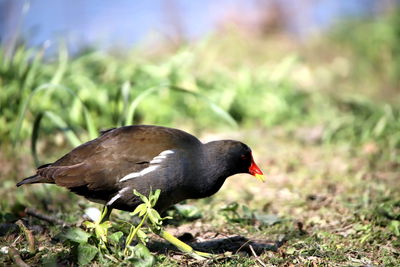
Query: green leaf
x=35, y=137
x=188, y=212
x=60, y=123
x=141, y=256
x=77, y=235
x=106, y=225
x=380, y=126
x=394, y=226
x=231, y=207
x=89, y=225
x=290, y=251
x=62, y=64
x=25, y=105
x=142, y=212
x=115, y=237
x=141, y=208
x=225, y=116
x=283, y=68
x=141, y=236
x=267, y=219
x=132, y=107
x=102, y=230
x=86, y=253
x=125, y=95
x=154, y=197
x=142, y=197
x=135, y=192
x=154, y=216
x=90, y=124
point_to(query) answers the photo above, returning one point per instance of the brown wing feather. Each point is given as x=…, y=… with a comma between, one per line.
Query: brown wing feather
x=67, y=176
x=100, y=163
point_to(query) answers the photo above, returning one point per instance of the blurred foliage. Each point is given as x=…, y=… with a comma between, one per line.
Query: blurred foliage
x=195, y=87
x=96, y=90
x=374, y=44
x=361, y=55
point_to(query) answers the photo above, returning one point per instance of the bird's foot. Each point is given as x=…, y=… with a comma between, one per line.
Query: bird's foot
x=198, y=255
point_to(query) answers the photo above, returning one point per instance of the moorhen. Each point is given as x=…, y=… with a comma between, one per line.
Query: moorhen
x=145, y=157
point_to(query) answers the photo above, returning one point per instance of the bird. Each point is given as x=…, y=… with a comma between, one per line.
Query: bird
x=107, y=169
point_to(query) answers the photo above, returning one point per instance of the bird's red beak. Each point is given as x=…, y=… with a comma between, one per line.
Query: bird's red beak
x=255, y=171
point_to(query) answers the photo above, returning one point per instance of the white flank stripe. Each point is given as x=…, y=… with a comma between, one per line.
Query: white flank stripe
x=138, y=174
x=154, y=161
x=154, y=164
x=113, y=199
x=149, y=169
x=117, y=196
x=123, y=190
x=130, y=176
x=166, y=152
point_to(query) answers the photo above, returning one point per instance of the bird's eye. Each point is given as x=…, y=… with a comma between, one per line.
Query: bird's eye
x=243, y=157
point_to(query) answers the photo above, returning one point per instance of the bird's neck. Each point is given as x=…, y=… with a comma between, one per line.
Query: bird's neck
x=214, y=170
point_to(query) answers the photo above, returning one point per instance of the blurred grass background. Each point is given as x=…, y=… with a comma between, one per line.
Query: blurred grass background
x=311, y=99
x=344, y=82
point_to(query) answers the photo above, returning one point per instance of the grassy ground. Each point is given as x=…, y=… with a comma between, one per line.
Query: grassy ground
x=323, y=121
x=327, y=205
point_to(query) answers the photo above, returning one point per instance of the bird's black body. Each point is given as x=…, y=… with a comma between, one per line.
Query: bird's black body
x=143, y=157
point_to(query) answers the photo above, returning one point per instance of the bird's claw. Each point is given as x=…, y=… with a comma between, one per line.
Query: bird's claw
x=199, y=255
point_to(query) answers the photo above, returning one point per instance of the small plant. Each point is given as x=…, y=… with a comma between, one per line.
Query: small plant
x=82, y=244
x=148, y=215
x=98, y=242
x=100, y=229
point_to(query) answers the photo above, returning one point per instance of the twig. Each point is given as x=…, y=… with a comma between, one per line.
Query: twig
x=16, y=240
x=256, y=256
x=244, y=244
x=47, y=218
x=28, y=235
x=13, y=253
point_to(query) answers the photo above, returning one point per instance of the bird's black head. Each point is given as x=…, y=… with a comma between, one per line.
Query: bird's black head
x=234, y=157
x=220, y=160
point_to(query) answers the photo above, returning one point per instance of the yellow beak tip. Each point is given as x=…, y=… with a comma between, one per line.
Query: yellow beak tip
x=260, y=177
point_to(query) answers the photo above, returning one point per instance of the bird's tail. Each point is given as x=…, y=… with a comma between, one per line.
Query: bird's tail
x=31, y=180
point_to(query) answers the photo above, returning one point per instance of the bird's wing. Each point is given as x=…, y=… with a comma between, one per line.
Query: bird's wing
x=102, y=162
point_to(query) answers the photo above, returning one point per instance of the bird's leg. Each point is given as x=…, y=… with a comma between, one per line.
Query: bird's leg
x=105, y=214
x=198, y=255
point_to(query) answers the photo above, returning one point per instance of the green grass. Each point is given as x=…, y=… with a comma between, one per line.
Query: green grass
x=49, y=95
x=325, y=137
